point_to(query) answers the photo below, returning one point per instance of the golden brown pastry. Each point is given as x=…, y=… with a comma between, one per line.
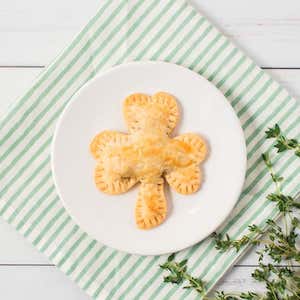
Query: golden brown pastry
x=147, y=154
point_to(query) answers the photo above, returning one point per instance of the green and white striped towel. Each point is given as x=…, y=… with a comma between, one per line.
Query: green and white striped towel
x=121, y=31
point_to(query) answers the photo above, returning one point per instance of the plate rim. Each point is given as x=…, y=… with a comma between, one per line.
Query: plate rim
x=86, y=86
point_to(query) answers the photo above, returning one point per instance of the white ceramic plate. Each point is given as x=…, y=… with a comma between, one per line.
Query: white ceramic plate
x=110, y=219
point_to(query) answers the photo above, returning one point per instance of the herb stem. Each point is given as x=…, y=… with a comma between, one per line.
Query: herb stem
x=279, y=242
x=285, y=225
x=272, y=290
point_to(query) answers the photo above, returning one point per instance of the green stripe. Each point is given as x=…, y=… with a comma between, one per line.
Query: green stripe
x=206, y=50
x=52, y=67
x=259, y=160
x=138, y=40
x=41, y=216
x=140, y=277
x=245, y=91
x=231, y=71
x=122, y=41
x=82, y=255
x=185, y=39
x=244, y=76
x=37, y=204
x=138, y=22
x=272, y=116
x=222, y=65
x=262, y=108
x=287, y=130
x=22, y=187
x=148, y=284
x=161, y=286
x=60, y=247
x=48, y=226
x=111, y=275
x=160, y=32
x=189, y=253
x=175, y=33
x=125, y=277
x=194, y=45
x=99, y=270
x=281, y=120
x=69, y=252
x=265, y=87
x=29, y=144
x=61, y=74
x=90, y=263
x=23, y=168
x=30, y=195
x=56, y=233
x=173, y=290
x=214, y=56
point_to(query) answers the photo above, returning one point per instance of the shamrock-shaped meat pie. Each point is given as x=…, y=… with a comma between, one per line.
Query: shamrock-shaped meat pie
x=147, y=154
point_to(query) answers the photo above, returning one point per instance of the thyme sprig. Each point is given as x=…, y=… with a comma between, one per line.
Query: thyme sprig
x=279, y=242
x=282, y=142
x=179, y=274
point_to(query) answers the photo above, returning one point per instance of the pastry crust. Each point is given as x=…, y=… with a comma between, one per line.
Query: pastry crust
x=197, y=145
x=110, y=183
x=135, y=109
x=169, y=104
x=151, y=205
x=106, y=139
x=159, y=113
x=185, y=180
x=147, y=154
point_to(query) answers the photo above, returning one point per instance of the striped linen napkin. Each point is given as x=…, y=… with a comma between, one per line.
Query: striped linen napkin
x=121, y=31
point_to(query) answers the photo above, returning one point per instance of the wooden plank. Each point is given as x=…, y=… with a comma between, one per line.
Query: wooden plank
x=47, y=283
x=290, y=79
x=34, y=32
x=268, y=30
x=14, y=81
x=239, y=280
x=15, y=249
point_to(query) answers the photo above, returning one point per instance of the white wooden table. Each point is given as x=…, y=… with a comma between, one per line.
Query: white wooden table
x=33, y=32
